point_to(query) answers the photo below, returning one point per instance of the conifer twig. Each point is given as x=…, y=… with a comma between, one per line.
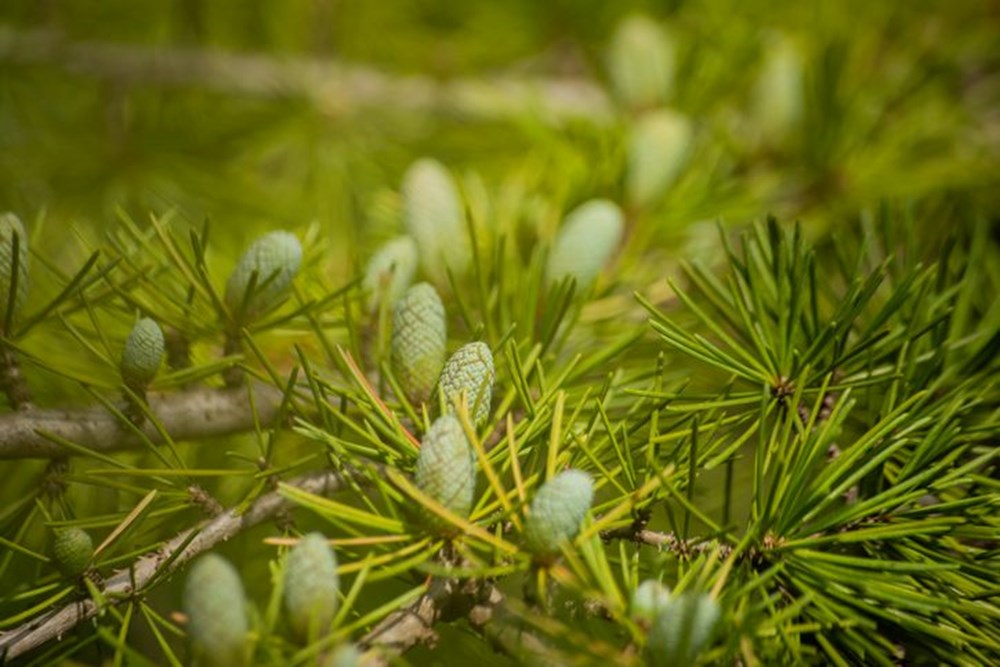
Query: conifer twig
x=124, y=584
x=191, y=414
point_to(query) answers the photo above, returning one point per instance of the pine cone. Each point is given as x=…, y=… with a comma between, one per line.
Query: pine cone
x=142, y=354
x=419, y=336
x=390, y=271
x=681, y=629
x=311, y=587
x=641, y=63
x=275, y=258
x=589, y=236
x=216, y=611
x=433, y=213
x=659, y=147
x=446, y=471
x=470, y=372
x=72, y=550
x=557, y=511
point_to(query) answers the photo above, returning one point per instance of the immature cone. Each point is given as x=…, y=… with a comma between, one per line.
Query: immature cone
x=311, y=587
x=275, y=259
x=469, y=372
x=649, y=598
x=681, y=629
x=72, y=550
x=10, y=226
x=216, y=609
x=446, y=471
x=345, y=655
x=390, y=271
x=659, y=147
x=419, y=337
x=778, y=96
x=557, y=511
x=588, y=238
x=641, y=63
x=433, y=214
x=142, y=354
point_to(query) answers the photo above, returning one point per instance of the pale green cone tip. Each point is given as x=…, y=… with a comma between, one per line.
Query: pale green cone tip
x=778, y=95
x=587, y=240
x=275, y=258
x=72, y=550
x=419, y=340
x=659, y=147
x=433, y=214
x=641, y=62
x=557, y=511
x=142, y=354
x=311, y=587
x=389, y=272
x=648, y=599
x=10, y=225
x=681, y=629
x=345, y=655
x=446, y=471
x=469, y=372
x=215, y=606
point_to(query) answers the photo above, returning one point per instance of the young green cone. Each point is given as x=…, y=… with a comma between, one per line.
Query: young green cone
x=72, y=550
x=641, y=63
x=275, y=259
x=557, y=511
x=432, y=211
x=588, y=238
x=216, y=609
x=681, y=629
x=345, y=655
x=390, y=271
x=10, y=226
x=649, y=598
x=446, y=471
x=419, y=337
x=311, y=587
x=469, y=372
x=142, y=355
x=778, y=96
x=659, y=147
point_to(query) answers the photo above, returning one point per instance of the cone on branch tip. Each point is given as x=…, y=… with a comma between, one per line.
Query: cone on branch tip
x=469, y=373
x=587, y=240
x=681, y=629
x=446, y=472
x=389, y=272
x=432, y=212
x=419, y=339
x=142, y=355
x=262, y=279
x=215, y=606
x=72, y=551
x=557, y=511
x=641, y=63
x=311, y=587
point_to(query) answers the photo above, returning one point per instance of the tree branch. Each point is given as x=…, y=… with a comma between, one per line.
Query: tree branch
x=126, y=583
x=336, y=88
x=196, y=413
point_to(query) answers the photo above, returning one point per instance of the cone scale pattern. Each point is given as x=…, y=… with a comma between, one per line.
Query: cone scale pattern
x=446, y=471
x=10, y=225
x=419, y=336
x=275, y=258
x=557, y=511
x=681, y=629
x=469, y=372
x=586, y=242
x=216, y=609
x=142, y=354
x=72, y=550
x=311, y=587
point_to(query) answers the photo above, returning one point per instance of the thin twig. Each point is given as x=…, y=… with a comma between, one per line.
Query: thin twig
x=334, y=87
x=125, y=584
x=192, y=414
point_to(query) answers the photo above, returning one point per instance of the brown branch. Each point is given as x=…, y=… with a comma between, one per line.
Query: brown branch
x=125, y=584
x=666, y=541
x=192, y=414
x=336, y=88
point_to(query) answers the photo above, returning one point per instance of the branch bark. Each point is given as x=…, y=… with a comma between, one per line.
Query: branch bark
x=334, y=87
x=196, y=413
x=124, y=584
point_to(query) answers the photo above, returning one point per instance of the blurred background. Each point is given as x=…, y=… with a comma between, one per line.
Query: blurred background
x=285, y=112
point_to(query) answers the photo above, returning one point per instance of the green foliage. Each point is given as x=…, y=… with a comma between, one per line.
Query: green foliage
x=719, y=297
